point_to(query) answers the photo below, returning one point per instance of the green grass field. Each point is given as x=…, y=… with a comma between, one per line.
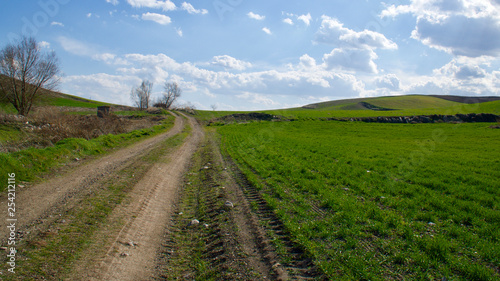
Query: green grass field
x=380, y=201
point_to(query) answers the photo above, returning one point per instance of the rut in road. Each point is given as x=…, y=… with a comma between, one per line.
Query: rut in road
x=131, y=254
x=39, y=205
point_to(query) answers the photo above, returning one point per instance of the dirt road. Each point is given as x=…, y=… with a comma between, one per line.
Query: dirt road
x=132, y=254
x=117, y=218
x=37, y=204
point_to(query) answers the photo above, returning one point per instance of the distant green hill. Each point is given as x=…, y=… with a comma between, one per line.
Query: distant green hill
x=397, y=102
x=396, y=106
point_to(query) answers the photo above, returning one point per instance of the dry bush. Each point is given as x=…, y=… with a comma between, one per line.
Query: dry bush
x=54, y=125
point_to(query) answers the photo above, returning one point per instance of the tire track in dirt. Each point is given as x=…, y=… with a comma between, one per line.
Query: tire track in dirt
x=41, y=203
x=132, y=253
x=232, y=238
x=259, y=225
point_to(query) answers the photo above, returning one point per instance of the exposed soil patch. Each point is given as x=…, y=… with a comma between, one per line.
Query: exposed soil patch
x=245, y=117
x=374, y=107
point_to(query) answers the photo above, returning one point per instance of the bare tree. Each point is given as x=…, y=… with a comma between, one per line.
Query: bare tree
x=214, y=107
x=27, y=70
x=171, y=92
x=141, y=96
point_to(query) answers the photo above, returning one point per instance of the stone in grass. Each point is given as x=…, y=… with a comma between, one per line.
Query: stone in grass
x=229, y=204
x=194, y=222
x=432, y=224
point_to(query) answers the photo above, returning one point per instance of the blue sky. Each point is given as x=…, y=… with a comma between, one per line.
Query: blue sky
x=249, y=55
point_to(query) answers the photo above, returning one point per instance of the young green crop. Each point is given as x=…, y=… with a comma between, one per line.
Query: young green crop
x=380, y=201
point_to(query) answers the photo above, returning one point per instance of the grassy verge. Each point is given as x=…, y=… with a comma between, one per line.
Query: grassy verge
x=51, y=254
x=31, y=163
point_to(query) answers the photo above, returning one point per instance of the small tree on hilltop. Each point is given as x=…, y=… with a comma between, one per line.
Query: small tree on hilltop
x=172, y=91
x=141, y=96
x=27, y=70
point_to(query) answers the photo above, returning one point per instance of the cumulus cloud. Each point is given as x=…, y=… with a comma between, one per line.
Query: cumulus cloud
x=191, y=10
x=351, y=59
x=307, y=78
x=305, y=18
x=113, y=2
x=288, y=21
x=158, y=18
x=166, y=5
x=460, y=27
x=307, y=61
x=267, y=30
x=257, y=98
x=389, y=81
x=116, y=87
x=461, y=36
x=254, y=16
x=229, y=62
x=462, y=71
x=333, y=32
x=456, y=78
x=466, y=72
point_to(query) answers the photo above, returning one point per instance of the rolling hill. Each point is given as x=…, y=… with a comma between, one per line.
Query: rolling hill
x=407, y=105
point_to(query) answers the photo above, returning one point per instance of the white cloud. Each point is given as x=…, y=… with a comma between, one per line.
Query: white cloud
x=44, y=44
x=191, y=10
x=461, y=71
x=456, y=78
x=101, y=86
x=158, y=18
x=76, y=47
x=255, y=16
x=89, y=15
x=460, y=27
x=166, y=5
x=230, y=62
x=389, y=81
x=267, y=87
x=461, y=36
x=57, y=23
x=307, y=61
x=267, y=30
x=179, y=32
x=333, y=32
x=256, y=98
x=306, y=19
x=79, y=48
x=351, y=59
x=288, y=21
x=114, y=2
